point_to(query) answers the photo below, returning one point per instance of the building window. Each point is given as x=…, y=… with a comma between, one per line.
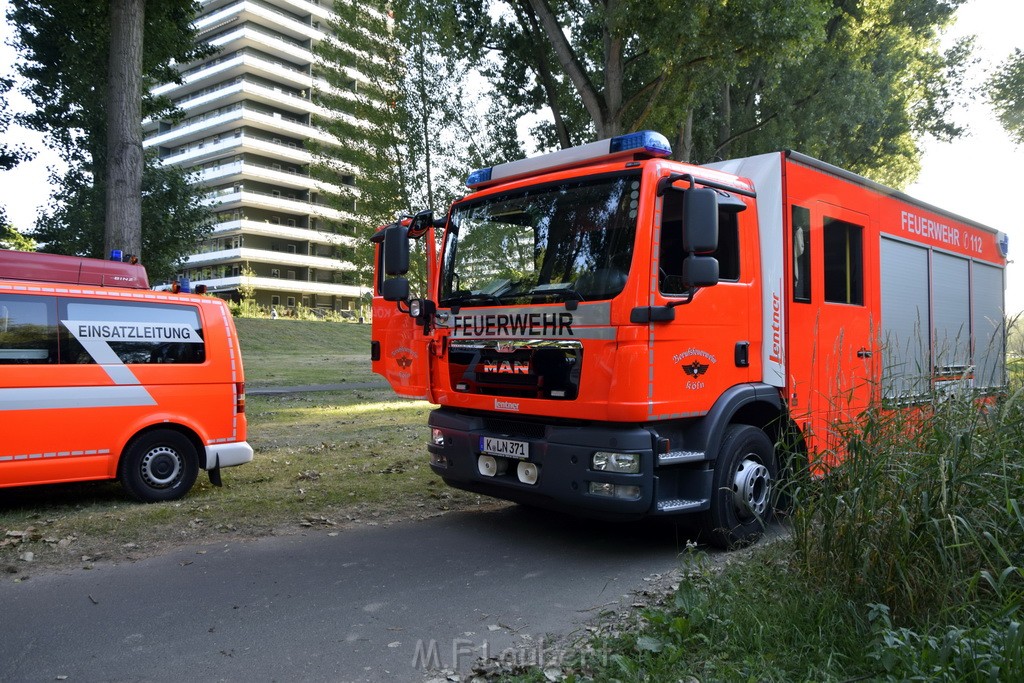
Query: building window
x=291, y=274
x=291, y=302
x=275, y=272
x=275, y=300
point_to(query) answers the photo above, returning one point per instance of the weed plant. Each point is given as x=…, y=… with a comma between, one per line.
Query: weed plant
x=905, y=562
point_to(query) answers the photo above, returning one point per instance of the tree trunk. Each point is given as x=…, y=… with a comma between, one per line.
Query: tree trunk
x=684, y=138
x=725, y=127
x=123, y=226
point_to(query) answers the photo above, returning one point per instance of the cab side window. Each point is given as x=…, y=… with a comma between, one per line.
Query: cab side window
x=671, y=255
x=28, y=330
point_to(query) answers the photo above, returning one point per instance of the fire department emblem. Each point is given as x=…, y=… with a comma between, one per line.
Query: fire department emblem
x=696, y=369
x=404, y=362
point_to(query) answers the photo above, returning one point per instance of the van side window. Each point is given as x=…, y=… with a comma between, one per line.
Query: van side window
x=28, y=330
x=844, y=262
x=801, y=254
x=670, y=256
x=100, y=331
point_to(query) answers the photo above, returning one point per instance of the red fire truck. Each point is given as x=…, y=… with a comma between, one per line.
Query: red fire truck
x=612, y=333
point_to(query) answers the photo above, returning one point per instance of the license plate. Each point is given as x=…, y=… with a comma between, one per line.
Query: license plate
x=520, y=450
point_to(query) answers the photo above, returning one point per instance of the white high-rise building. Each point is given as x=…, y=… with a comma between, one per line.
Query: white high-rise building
x=247, y=118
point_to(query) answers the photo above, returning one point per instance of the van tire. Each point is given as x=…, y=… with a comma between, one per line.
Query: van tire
x=743, y=490
x=159, y=465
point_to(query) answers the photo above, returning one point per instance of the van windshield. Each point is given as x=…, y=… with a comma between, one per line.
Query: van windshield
x=570, y=240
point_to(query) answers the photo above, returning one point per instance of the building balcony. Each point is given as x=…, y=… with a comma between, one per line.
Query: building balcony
x=273, y=284
x=243, y=170
x=277, y=258
x=262, y=12
x=285, y=232
x=237, y=65
x=234, y=117
x=259, y=200
x=254, y=36
x=240, y=143
x=320, y=10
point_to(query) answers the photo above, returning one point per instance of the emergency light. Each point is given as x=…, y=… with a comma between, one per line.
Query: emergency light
x=642, y=142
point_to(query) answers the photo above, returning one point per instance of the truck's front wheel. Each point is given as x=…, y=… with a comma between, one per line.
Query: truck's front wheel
x=743, y=488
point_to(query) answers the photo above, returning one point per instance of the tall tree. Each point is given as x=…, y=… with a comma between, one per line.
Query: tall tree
x=1006, y=91
x=407, y=130
x=856, y=82
x=65, y=56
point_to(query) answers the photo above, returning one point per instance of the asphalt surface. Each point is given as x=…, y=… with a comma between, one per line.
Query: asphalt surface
x=364, y=604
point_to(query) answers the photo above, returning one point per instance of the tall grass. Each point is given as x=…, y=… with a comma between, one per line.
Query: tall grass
x=922, y=528
x=905, y=562
x=924, y=515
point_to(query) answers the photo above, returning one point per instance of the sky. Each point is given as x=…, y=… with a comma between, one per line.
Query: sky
x=976, y=176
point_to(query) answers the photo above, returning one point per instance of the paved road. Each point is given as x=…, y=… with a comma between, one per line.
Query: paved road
x=363, y=605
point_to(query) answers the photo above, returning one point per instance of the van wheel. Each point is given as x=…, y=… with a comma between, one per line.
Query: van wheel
x=159, y=465
x=743, y=488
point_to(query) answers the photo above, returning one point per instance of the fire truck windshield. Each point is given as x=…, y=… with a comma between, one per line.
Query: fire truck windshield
x=570, y=240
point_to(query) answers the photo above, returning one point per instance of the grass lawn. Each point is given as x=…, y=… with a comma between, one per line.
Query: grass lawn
x=322, y=459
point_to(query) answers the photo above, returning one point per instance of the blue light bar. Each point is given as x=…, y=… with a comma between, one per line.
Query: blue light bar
x=646, y=142
x=481, y=175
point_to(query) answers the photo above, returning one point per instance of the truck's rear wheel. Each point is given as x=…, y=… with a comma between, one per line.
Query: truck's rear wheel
x=743, y=488
x=159, y=465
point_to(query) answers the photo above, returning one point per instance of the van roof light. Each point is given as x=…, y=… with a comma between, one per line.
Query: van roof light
x=646, y=142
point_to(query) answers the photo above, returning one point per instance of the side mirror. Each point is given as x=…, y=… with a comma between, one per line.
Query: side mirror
x=396, y=250
x=700, y=221
x=700, y=271
x=395, y=289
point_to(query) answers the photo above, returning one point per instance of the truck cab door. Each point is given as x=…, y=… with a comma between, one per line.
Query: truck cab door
x=399, y=347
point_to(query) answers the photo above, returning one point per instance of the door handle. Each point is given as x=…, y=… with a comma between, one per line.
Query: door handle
x=863, y=353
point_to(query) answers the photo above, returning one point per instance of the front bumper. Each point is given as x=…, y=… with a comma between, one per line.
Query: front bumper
x=562, y=454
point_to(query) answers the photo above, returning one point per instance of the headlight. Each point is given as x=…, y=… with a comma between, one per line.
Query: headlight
x=436, y=436
x=628, y=463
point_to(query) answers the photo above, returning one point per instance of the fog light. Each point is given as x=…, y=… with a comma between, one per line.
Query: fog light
x=528, y=473
x=627, y=463
x=599, y=489
x=627, y=492
x=489, y=466
x=438, y=460
x=437, y=436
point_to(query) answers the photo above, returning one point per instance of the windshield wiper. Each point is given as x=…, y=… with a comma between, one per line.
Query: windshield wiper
x=470, y=297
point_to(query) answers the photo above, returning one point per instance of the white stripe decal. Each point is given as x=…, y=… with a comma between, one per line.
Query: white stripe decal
x=74, y=397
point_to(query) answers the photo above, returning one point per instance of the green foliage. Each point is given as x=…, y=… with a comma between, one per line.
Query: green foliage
x=173, y=219
x=924, y=514
x=1006, y=90
x=905, y=562
x=64, y=49
x=854, y=83
x=10, y=238
x=409, y=129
